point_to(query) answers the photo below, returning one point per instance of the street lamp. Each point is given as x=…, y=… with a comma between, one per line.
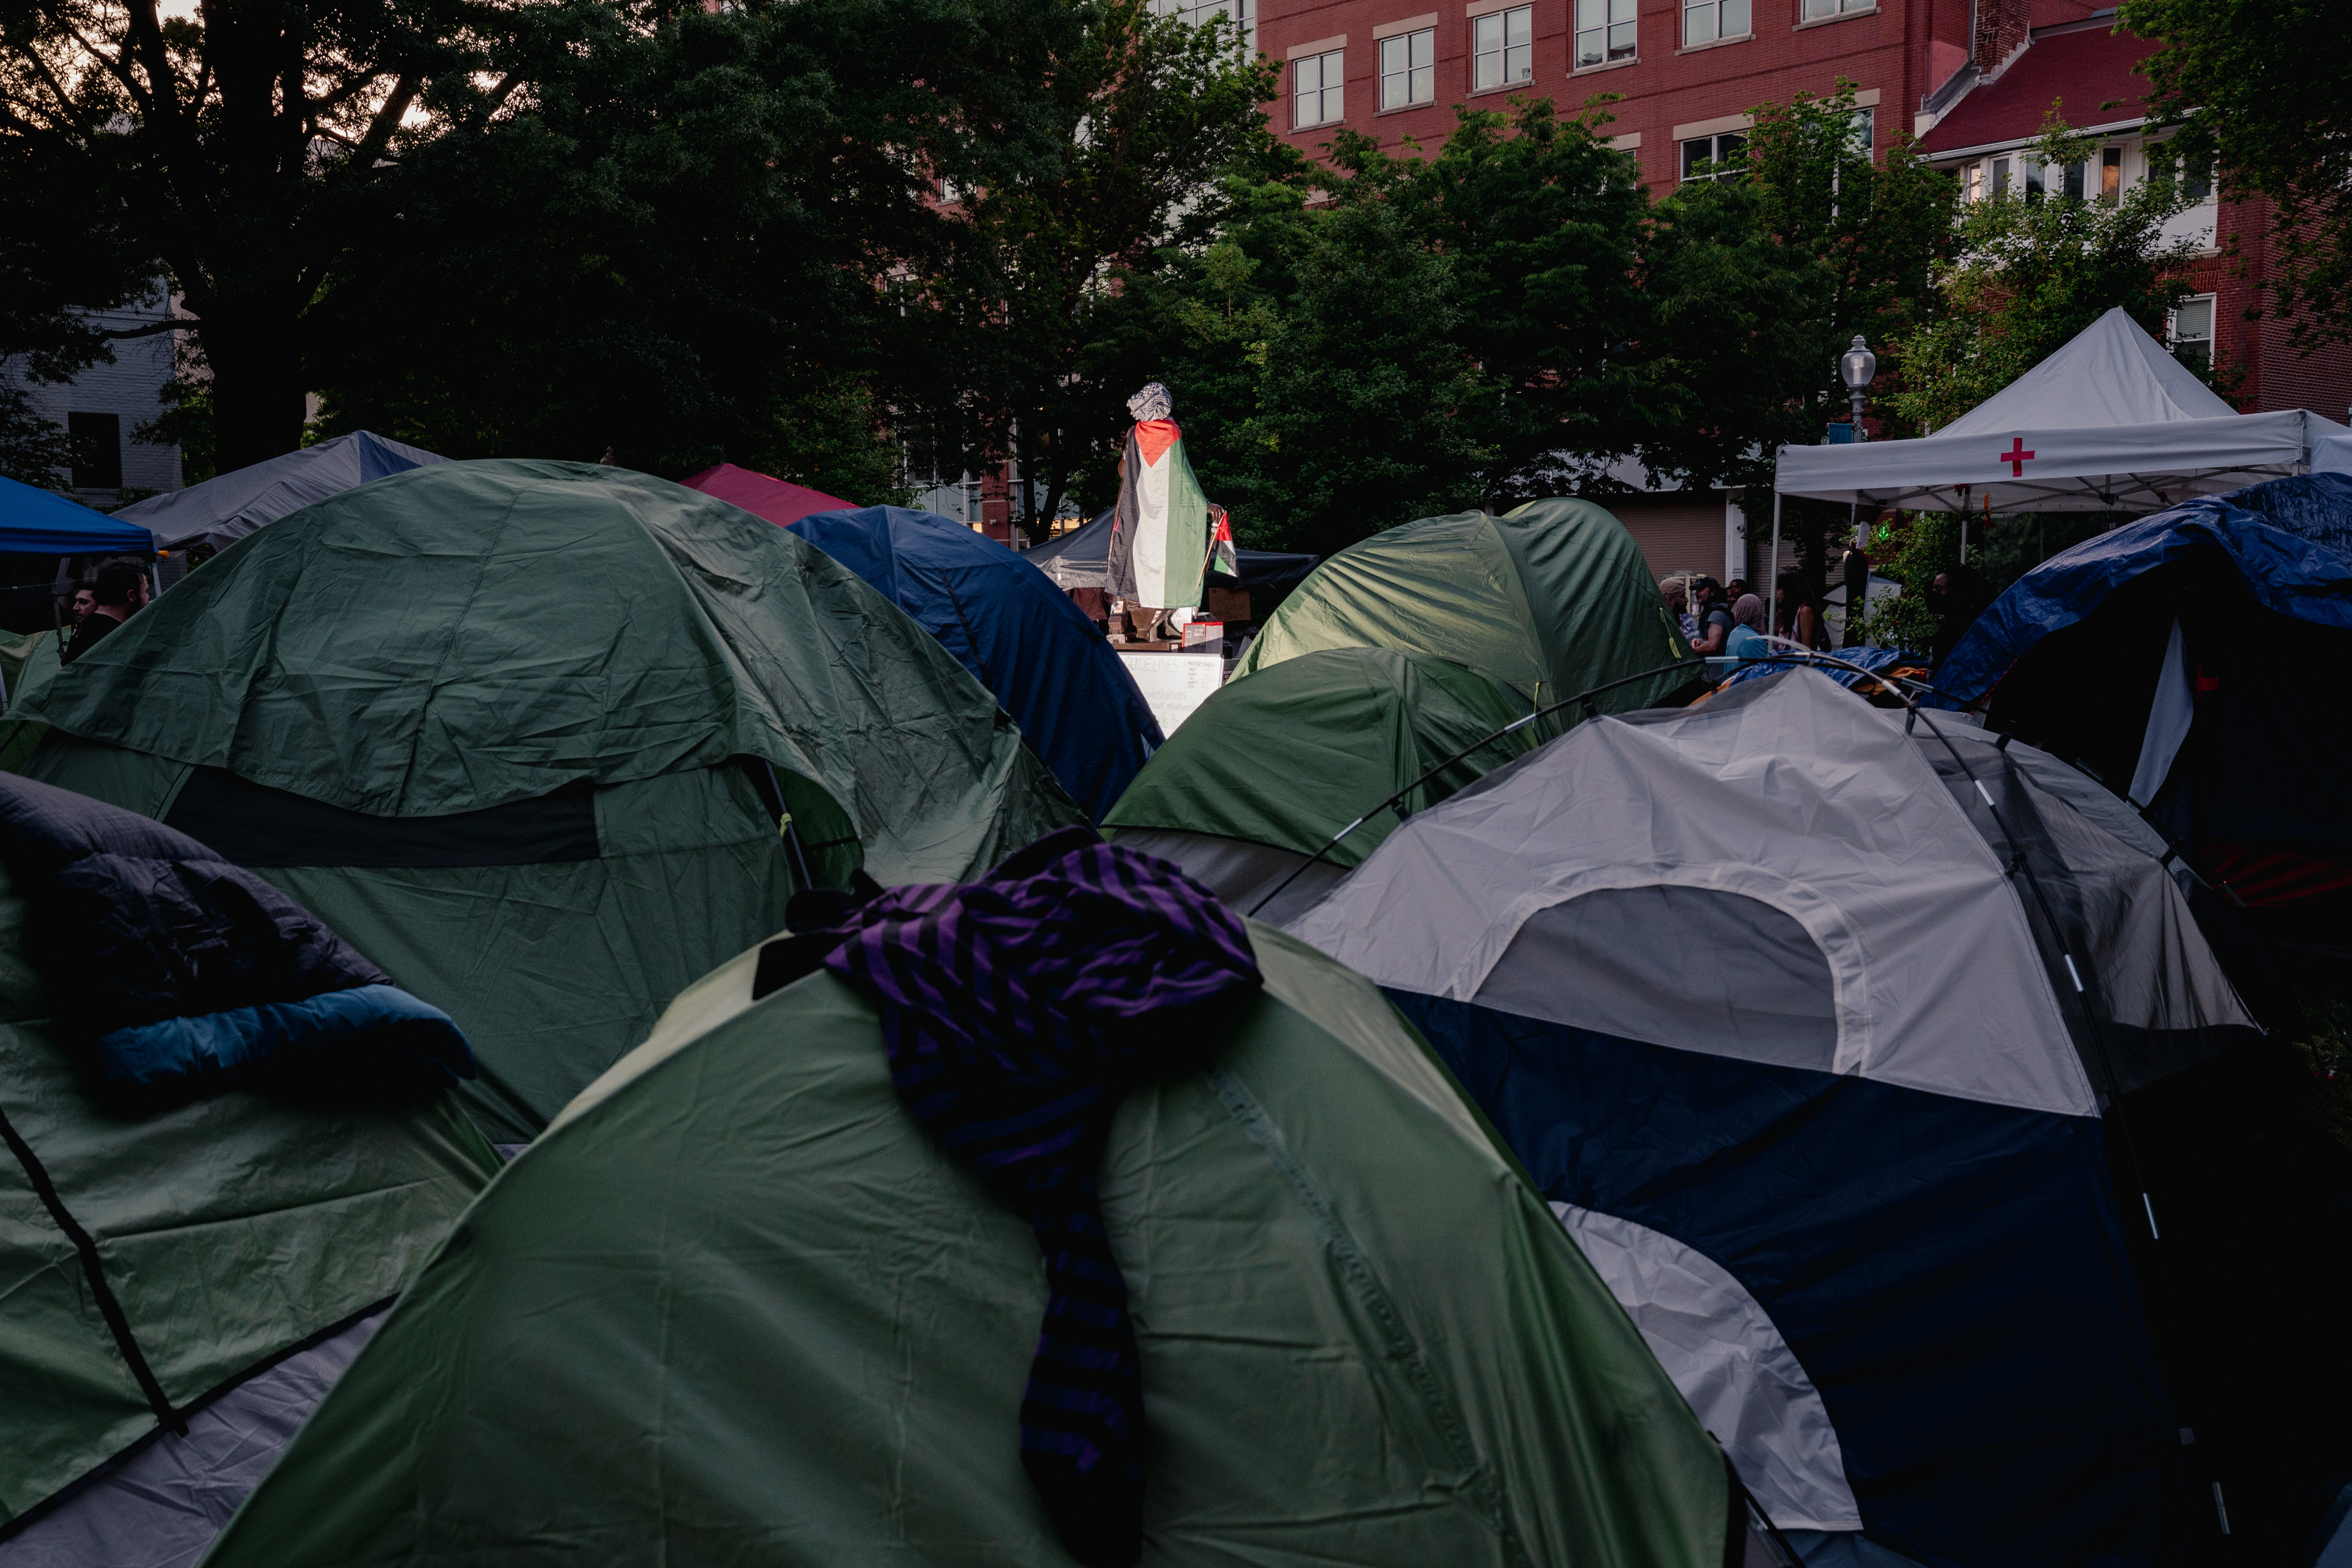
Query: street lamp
x=1856, y=367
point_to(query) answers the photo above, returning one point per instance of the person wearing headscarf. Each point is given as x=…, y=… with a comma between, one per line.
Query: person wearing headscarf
x=1747, y=641
x=1164, y=527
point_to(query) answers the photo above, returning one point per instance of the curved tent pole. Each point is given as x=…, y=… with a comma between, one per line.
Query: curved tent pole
x=1584, y=697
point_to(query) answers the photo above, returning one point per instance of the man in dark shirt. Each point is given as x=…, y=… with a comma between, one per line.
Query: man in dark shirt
x=1714, y=617
x=121, y=590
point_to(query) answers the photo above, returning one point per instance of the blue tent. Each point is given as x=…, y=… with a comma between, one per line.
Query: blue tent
x=36, y=522
x=2193, y=661
x=1021, y=638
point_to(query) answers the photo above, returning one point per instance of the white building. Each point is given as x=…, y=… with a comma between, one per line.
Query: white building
x=107, y=402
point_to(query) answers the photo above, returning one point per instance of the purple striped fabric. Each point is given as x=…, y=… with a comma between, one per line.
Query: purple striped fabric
x=1016, y=1011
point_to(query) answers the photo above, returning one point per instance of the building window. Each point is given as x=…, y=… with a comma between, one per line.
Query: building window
x=1860, y=130
x=1714, y=157
x=1200, y=12
x=1604, y=31
x=97, y=451
x=2192, y=331
x=1999, y=178
x=1817, y=9
x=1318, y=86
x=2075, y=182
x=1705, y=21
x=2028, y=174
x=1976, y=182
x=1502, y=49
x=1409, y=68
x=2111, y=176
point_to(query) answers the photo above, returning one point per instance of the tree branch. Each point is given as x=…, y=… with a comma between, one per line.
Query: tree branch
x=152, y=329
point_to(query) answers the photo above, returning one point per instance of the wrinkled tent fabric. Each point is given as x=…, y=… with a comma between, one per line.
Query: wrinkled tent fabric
x=1365, y=1340
x=229, y=1230
x=222, y=511
x=40, y=523
x=1548, y=600
x=781, y=501
x=1048, y=665
x=2234, y=613
x=1271, y=767
x=522, y=732
x=2110, y=421
x=1081, y=559
x=1763, y=1015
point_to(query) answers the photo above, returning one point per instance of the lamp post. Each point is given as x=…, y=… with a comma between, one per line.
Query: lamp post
x=1856, y=367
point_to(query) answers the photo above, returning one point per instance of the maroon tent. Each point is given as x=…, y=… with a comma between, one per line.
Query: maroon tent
x=774, y=499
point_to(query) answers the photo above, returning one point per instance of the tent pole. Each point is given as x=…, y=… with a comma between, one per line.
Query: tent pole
x=1772, y=613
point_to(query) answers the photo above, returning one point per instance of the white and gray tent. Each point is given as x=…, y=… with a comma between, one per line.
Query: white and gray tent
x=1777, y=1002
x=220, y=511
x=2111, y=422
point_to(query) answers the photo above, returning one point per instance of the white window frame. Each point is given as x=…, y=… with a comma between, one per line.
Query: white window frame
x=1496, y=62
x=2212, y=304
x=1823, y=10
x=1712, y=21
x=1607, y=33
x=1330, y=92
x=1408, y=69
x=1717, y=152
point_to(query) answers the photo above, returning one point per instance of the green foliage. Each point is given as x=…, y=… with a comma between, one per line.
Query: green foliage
x=185, y=422
x=2263, y=86
x=1911, y=549
x=33, y=450
x=2031, y=272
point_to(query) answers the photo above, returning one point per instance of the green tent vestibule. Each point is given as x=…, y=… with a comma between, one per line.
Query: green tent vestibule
x=523, y=731
x=737, y=1306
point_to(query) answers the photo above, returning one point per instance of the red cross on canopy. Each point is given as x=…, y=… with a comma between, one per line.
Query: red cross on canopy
x=2015, y=456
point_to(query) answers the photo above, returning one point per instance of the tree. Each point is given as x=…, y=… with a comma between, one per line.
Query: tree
x=239, y=153
x=1143, y=116
x=2261, y=86
x=2033, y=269
x=690, y=244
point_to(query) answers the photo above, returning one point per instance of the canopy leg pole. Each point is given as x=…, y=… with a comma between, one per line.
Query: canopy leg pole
x=1773, y=612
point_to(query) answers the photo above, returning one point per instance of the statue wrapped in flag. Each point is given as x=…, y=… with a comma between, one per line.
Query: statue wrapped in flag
x=1165, y=527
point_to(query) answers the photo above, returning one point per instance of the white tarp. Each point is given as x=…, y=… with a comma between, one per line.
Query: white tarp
x=2110, y=422
x=222, y=511
x=1796, y=796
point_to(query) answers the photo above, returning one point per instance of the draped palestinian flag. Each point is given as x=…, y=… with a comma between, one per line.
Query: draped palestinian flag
x=1159, y=541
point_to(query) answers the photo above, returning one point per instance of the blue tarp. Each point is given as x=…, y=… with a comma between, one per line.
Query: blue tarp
x=36, y=522
x=1048, y=665
x=2286, y=538
x=1872, y=659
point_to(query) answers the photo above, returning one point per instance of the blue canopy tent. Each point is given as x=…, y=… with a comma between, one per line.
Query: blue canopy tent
x=1020, y=637
x=36, y=522
x=2192, y=660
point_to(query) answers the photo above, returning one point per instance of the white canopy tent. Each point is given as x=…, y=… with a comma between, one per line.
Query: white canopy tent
x=2109, y=423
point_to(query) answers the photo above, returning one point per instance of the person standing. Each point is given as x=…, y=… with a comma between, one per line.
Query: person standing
x=117, y=595
x=1714, y=621
x=1677, y=594
x=1747, y=643
x=1801, y=613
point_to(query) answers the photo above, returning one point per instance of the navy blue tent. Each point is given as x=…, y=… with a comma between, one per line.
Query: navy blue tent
x=36, y=522
x=1049, y=666
x=2194, y=661
x=1081, y=559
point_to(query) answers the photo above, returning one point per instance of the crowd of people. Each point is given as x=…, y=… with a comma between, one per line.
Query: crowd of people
x=1727, y=620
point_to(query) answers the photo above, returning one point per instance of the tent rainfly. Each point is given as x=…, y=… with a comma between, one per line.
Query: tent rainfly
x=2110, y=422
x=220, y=511
x=781, y=501
x=525, y=734
x=737, y=1306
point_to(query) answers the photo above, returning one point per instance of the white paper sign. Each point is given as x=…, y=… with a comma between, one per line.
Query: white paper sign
x=1173, y=684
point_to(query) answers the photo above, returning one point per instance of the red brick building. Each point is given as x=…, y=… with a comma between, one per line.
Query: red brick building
x=1972, y=79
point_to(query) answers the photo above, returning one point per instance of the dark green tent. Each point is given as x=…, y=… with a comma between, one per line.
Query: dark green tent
x=1545, y=601
x=239, y=1236
x=522, y=731
x=737, y=1306
x=1269, y=768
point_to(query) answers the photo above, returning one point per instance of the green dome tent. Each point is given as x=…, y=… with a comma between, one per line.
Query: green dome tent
x=1271, y=767
x=1546, y=601
x=522, y=731
x=737, y=1306
x=178, y=1283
